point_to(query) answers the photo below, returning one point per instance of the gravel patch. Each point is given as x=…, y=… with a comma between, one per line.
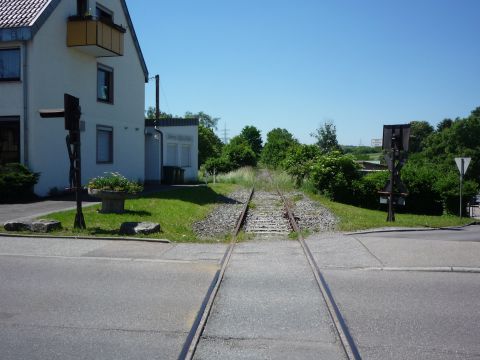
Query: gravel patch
x=311, y=215
x=222, y=220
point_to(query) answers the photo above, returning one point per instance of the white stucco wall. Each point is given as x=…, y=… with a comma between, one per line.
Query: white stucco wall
x=182, y=135
x=55, y=69
x=179, y=135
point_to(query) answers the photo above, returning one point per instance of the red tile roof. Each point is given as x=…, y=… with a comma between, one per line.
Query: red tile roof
x=19, y=13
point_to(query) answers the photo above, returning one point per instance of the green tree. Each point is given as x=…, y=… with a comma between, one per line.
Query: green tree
x=444, y=124
x=151, y=113
x=253, y=137
x=205, y=120
x=276, y=147
x=326, y=136
x=239, y=153
x=209, y=144
x=419, y=131
x=461, y=139
x=299, y=161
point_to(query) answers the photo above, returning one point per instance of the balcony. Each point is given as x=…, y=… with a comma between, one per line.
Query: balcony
x=95, y=37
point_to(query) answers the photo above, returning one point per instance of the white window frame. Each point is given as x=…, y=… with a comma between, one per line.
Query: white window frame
x=109, y=131
x=188, y=161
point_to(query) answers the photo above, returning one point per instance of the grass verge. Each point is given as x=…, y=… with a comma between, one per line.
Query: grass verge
x=175, y=210
x=352, y=218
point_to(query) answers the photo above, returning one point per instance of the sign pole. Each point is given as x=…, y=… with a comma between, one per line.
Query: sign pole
x=391, y=214
x=462, y=171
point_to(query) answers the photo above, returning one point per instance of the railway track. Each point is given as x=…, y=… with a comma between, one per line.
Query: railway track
x=268, y=215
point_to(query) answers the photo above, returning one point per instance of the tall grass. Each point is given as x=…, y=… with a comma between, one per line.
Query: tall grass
x=263, y=179
x=244, y=176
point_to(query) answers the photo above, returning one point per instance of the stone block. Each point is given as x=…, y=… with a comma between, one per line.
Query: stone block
x=135, y=228
x=17, y=225
x=45, y=226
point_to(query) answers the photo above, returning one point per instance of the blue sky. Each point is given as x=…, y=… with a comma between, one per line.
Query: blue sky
x=298, y=63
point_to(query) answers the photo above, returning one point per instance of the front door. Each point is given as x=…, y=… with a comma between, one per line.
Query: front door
x=9, y=140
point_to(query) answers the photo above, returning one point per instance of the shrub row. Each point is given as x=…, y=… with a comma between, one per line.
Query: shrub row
x=16, y=183
x=433, y=189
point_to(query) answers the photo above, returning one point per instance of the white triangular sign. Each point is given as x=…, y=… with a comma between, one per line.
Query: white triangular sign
x=466, y=162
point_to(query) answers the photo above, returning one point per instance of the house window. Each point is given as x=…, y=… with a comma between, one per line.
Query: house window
x=9, y=64
x=9, y=140
x=104, y=84
x=104, y=14
x=82, y=7
x=185, y=156
x=104, y=144
x=172, y=157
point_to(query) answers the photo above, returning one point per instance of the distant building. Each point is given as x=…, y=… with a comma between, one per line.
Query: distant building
x=376, y=142
x=371, y=166
x=171, y=142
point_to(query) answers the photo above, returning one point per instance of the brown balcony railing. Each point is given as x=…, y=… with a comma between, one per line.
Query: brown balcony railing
x=95, y=37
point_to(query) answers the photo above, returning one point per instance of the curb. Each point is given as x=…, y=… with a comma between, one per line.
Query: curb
x=382, y=230
x=451, y=269
x=86, y=238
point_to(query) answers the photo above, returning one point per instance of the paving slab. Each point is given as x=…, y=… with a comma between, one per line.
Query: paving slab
x=269, y=307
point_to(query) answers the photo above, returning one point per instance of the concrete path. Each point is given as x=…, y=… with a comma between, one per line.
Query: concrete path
x=269, y=307
x=91, y=299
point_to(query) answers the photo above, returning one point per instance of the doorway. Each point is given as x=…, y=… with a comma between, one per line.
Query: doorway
x=9, y=139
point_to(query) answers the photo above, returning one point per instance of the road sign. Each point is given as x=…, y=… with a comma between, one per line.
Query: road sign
x=462, y=164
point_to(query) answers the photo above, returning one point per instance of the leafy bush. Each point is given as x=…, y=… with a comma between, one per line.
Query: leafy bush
x=115, y=182
x=365, y=189
x=16, y=183
x=448, y=186
x=333, y=175
x=424, y=196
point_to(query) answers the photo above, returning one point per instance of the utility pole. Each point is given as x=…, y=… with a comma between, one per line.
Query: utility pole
x=157, y=97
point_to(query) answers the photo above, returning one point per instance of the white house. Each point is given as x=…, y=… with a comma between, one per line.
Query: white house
x=171, y=142
x=85, y=48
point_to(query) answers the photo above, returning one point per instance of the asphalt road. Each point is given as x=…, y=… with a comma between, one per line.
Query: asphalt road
x=399, y=296
x=84, y=299
x=403, y=295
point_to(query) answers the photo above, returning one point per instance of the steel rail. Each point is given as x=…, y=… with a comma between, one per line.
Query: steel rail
x=346, y=339
x=193, y=338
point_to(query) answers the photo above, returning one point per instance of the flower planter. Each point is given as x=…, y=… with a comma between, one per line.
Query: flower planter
x=112, y=201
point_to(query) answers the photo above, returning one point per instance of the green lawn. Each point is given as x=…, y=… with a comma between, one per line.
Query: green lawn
x=354, y=218
x=174, y=210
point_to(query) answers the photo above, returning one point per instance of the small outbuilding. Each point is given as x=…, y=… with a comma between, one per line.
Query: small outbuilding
x=171, y=150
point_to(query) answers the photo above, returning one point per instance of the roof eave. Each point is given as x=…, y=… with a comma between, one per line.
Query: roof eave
x=135, y=40
x=26, y=33
x=23, y=33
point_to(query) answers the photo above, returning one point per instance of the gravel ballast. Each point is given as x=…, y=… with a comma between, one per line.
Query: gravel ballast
x=311, y=215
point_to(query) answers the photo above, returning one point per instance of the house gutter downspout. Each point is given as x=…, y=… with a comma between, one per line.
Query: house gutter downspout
x=157, y=119
x=161, y=151
x=25, y=104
